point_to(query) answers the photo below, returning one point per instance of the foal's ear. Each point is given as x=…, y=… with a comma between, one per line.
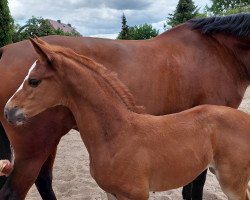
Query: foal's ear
x=40, y=40
x=43, y=50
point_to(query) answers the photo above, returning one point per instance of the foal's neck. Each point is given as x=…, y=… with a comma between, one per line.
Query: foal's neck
x=98, y=109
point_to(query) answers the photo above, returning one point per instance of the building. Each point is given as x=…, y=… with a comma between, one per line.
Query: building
x=67, y=28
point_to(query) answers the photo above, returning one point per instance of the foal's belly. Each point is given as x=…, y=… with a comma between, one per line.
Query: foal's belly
x=176, y=172
x=169, y=182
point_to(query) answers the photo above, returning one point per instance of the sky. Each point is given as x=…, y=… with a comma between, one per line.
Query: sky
x=98, y=18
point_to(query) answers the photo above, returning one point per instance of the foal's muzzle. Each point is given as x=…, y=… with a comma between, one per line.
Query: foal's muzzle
x=14, y=115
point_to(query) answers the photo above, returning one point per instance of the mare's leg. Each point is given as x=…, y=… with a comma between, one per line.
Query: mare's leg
x=187, y=191
x=198, y=184
x=33, y=143
x=194, y=190
x=22, y=178
x=5, y=151
x=44, y=179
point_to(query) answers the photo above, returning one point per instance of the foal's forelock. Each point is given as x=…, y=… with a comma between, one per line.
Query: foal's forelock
x=26, y=78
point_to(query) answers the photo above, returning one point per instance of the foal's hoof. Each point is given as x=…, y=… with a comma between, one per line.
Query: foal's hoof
x=5, y=167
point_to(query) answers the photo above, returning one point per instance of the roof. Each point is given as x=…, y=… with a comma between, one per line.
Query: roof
x=58, y=25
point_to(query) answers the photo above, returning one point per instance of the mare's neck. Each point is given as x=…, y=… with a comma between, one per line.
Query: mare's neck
x=98, y=111
x=240, y=48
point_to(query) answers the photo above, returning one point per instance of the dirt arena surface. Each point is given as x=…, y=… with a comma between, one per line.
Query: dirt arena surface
x=73, y=181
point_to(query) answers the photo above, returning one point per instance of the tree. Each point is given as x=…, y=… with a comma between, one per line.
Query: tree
x=6, y=24
x=225, y=7
x=185, y=10
x=142, y=32
x=123, y=35
x=34, y=26
x=39, y=27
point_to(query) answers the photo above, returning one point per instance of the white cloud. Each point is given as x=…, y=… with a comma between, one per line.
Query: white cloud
x=109, y=36
x=97, y=17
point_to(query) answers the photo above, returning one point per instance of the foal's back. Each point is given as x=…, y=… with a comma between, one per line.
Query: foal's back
x=180, y=146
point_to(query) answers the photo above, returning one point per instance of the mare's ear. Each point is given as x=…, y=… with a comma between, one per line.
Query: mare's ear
x=43, y=50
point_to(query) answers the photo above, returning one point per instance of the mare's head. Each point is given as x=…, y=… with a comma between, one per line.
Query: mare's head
x=41, y=88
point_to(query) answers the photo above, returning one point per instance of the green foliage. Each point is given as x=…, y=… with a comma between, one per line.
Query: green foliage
x=226, y=7
x=142, y=32
x=39, y=27
x=184, y=11
x=124, y=35
x=6, y=24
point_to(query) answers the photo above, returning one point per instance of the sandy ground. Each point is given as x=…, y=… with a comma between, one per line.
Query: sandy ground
x=73, y=181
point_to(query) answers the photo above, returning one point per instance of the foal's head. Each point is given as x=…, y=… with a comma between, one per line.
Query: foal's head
x=41, y=80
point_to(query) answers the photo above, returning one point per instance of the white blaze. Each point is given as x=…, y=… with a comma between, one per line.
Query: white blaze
x=26, y=78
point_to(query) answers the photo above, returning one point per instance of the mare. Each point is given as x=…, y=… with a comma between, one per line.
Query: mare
x=204, y=61
x=133, y=153
x=5, y=152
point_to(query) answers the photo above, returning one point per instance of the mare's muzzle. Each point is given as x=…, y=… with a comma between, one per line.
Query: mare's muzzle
x=14, y=115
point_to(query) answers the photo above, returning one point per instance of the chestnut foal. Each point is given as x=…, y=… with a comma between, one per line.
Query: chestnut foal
x=133, y=153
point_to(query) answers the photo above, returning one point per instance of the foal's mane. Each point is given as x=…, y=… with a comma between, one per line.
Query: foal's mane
x=108, y=76
x=238, y=25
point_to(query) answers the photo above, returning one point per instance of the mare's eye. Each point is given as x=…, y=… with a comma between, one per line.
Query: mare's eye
x=34, y=82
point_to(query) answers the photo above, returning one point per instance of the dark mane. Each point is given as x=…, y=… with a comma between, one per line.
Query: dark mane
x=1, y=52
x=237, y=25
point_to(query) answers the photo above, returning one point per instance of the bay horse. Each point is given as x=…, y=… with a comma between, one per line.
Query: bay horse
x=181, y=68
x=133, y=153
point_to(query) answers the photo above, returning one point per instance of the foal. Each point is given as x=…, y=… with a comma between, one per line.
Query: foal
x=133, y=153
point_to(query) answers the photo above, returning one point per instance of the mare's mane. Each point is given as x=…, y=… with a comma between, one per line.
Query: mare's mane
x=108, y=76
x=237, y=25
x=1, y=52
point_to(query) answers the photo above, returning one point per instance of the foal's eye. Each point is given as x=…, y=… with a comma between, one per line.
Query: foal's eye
x=34, y=82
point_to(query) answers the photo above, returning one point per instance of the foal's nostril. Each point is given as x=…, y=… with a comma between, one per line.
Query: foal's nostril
x=14, y=115
x=6, y=113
